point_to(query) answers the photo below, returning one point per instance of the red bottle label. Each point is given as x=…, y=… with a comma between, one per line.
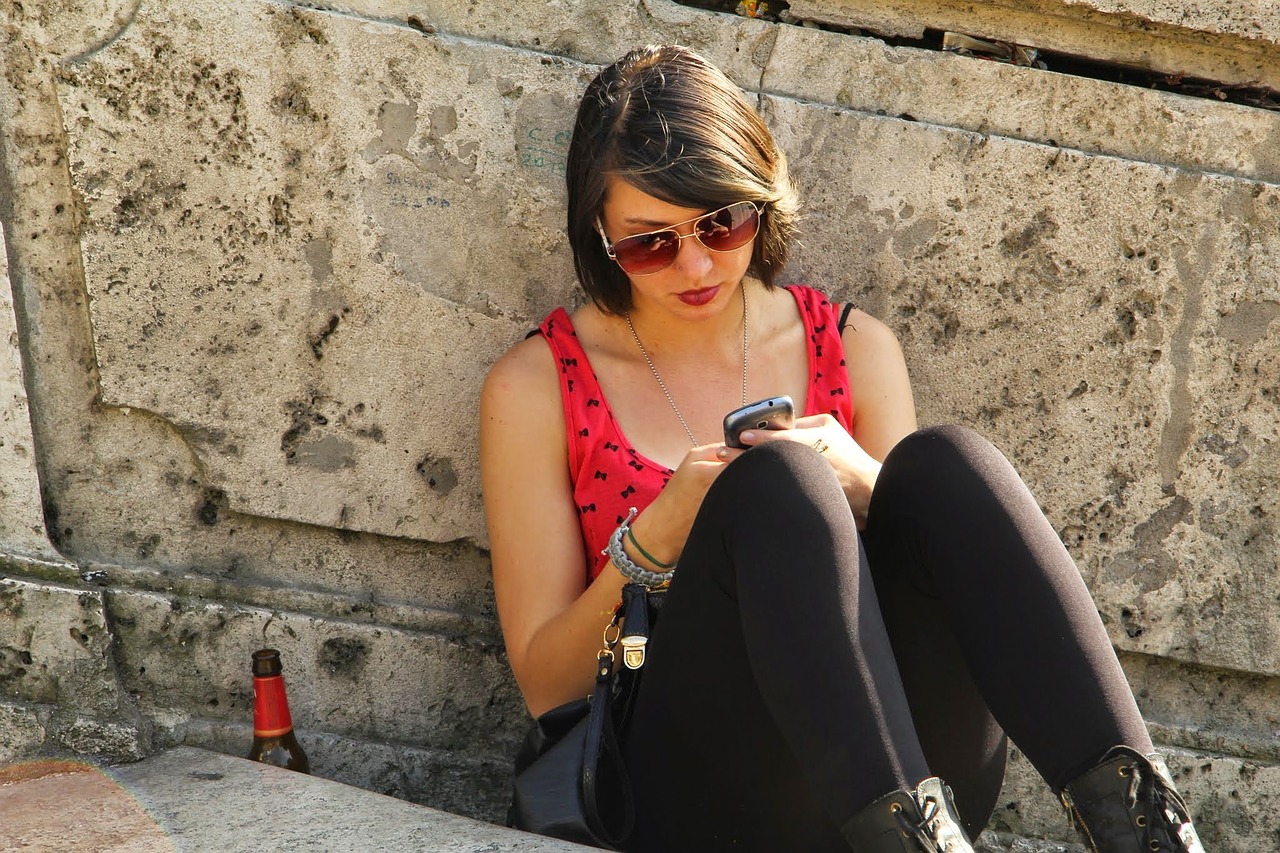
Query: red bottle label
x=270, y=707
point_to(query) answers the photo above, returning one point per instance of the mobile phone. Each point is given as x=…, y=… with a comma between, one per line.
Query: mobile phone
x=769, y=413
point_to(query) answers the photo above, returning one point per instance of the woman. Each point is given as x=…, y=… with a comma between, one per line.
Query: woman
x=861, y=609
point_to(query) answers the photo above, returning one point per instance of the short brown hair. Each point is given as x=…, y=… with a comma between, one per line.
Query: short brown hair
x=672, y=125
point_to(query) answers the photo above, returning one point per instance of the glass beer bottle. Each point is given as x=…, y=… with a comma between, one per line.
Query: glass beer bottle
x=273, y=738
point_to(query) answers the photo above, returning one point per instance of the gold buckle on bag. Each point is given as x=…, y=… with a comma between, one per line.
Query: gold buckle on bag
x=633, y=651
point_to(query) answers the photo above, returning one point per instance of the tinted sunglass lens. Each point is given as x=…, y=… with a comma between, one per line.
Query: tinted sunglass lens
x=720, y=230
x=644, y=254
x=729, y=228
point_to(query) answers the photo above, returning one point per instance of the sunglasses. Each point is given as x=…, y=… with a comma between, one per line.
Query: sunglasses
x=722, y=230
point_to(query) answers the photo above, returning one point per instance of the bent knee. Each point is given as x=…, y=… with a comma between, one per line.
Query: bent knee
x=944, y=447
x=776, y=468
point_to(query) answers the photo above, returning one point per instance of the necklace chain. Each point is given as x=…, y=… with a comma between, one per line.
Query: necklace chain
x=667, y=393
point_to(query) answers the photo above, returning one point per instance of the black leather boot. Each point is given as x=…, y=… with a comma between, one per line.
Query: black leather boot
x=919, y=821
x=1127, y=804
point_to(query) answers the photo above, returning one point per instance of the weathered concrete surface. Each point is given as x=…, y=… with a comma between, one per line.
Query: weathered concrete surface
x=1221, y=793
x=1120, y=345
x=867, y=75
x=1236, y=44
x=419, y=714
x=21, y=521
x=190, y=799
x=366, y=681
x=357, y=234
x=1252, y=19
x=60, y=647
x=995, y=99
x=253, y=335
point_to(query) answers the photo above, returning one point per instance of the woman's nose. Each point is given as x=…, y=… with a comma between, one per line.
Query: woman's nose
x=693, y=258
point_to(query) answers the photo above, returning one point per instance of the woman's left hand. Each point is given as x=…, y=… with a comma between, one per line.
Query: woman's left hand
x=855, y=469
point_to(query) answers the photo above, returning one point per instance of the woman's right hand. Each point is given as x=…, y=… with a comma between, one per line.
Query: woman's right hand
x=664, y=526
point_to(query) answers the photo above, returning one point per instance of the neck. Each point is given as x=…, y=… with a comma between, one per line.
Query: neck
x=714, y=338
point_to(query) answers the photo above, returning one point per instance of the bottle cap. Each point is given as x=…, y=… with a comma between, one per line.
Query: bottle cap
x=266, y=662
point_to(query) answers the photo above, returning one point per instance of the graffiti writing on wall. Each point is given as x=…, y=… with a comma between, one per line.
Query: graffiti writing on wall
x=413, y=191
x=543, y=149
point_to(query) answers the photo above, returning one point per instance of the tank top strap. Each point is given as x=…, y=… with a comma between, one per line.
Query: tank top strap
x=608, y=475
x=828, y=376
x=585, y=414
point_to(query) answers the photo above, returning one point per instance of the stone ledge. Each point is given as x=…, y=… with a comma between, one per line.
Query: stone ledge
x=1236, y=50
x=191, y=799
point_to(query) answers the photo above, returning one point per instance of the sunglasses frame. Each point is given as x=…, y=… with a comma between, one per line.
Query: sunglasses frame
x=609, y=250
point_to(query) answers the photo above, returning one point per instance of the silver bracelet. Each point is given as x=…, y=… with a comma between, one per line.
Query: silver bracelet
x=623, y=563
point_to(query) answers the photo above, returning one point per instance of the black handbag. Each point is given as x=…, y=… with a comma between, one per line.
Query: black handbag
x=570, y=780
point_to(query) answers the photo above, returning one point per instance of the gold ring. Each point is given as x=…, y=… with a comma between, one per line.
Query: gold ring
x=820, y=446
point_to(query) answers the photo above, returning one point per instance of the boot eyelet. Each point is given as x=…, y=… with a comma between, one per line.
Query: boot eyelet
x=1140, y=820
x=1123, y=771
x=894, y=808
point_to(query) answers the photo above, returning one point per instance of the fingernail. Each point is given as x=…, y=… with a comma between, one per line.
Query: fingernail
x=747, y=437
x=722, y=453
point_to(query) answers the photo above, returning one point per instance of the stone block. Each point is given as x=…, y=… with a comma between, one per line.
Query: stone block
x=21, y=519
x=357, y=680
x=70, y=29
x=1119, y=346
x=21, y=732
x=55, y=648
x=592, y=31
x=1227, y=798
x=253, y=284
x=191, y=799
x=995, y=99
x=462, y=781
x=1260, y=21
x=114, y=740
x=1232, y=44
x=1207, y=710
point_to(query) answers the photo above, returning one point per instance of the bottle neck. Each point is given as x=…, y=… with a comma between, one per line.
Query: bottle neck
x=270, y=707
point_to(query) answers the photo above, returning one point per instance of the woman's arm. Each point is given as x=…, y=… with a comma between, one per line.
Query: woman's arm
x=551, y=618
x=884, y=410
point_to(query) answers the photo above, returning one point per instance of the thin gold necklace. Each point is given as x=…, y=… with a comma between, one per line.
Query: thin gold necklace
x=666, y=393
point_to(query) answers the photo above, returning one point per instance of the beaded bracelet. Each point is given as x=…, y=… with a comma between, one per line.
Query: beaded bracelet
x=623, y=563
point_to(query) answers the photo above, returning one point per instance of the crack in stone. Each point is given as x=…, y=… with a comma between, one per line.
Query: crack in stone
x=104, y=44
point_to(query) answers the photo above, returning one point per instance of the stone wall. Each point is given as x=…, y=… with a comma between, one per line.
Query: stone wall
x=261, y=254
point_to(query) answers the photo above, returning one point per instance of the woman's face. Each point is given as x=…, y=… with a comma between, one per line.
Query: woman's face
x=699, y=282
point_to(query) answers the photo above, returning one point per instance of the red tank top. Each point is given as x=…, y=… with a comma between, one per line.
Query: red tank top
x=609, y=476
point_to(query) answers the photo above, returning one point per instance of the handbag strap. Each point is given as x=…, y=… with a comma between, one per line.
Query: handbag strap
x=601, y=750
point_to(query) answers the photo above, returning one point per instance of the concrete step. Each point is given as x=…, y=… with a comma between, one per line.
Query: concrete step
x=188, y=799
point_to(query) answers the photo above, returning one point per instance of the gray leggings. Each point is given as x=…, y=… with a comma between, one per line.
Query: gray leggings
x=801, y=670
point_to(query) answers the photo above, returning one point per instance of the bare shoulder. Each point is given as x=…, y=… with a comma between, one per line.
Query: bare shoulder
x=879, y=386
x=521, y=421
x=525, y=375
x=868, y=337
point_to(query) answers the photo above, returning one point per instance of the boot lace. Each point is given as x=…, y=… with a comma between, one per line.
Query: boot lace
x=934, y=833
x=1160, y=813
